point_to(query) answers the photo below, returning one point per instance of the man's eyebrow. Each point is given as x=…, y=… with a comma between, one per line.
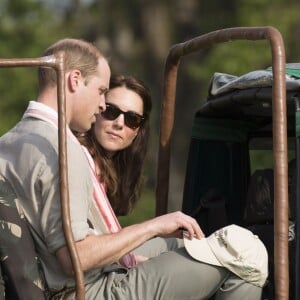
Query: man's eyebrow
x=103, y=90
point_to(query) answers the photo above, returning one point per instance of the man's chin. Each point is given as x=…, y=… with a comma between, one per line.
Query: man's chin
x=81, y=129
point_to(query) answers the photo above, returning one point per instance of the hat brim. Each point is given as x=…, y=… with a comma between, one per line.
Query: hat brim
x=200, y=250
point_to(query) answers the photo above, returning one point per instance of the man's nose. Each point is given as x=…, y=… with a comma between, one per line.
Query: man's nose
x=102, y=104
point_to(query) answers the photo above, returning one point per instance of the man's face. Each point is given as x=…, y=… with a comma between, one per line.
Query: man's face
x=89, y=98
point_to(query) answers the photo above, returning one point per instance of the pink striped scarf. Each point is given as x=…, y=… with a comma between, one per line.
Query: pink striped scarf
x=101, y=213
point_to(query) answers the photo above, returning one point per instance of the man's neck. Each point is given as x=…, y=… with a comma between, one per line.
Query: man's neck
x=49, y=97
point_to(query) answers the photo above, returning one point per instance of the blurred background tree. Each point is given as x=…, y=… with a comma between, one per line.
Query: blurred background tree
x=136, y=36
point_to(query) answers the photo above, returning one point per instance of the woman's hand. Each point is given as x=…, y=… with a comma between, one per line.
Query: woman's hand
x=140, y=258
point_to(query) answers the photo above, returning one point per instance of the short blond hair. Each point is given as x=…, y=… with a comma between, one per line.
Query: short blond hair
x=79, y=54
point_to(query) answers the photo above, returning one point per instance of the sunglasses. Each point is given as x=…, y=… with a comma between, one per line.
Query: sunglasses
x=131, y=119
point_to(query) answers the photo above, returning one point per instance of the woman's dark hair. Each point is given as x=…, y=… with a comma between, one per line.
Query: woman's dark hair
x=122, y=173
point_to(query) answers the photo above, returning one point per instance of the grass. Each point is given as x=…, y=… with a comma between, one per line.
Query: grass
x=144, y=209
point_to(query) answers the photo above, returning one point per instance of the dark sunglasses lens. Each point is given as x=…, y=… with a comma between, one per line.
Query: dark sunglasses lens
x=133, y=120
x=111, y=113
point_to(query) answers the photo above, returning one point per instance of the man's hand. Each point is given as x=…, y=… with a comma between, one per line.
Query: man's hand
x=172, y=224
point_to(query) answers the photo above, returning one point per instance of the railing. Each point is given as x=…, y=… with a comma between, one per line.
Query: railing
x=279, y=133
x=57, y=62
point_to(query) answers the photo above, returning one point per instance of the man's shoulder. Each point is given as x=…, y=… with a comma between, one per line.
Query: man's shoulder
x=31, y=129
x=31, y=141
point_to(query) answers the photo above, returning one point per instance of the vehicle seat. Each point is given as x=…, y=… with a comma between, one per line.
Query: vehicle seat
x=21, y=271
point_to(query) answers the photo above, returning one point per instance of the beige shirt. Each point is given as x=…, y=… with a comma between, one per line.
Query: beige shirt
x=29, y=162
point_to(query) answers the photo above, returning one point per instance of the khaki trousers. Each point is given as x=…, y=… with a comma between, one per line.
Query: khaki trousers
x=171, y=274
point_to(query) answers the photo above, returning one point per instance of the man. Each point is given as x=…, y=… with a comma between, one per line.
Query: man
x=29, y=163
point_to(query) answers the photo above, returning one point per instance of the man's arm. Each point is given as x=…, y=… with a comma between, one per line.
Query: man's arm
x=98, y=251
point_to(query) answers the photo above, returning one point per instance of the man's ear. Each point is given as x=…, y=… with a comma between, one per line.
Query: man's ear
x=72, y=80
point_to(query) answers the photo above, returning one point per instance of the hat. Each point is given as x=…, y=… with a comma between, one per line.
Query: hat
x=235, y=248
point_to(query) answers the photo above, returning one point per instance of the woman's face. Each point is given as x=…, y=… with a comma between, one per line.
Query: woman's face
x=114, y=135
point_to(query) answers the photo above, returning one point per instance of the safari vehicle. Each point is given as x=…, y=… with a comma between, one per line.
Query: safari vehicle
x=241, y=115
x=249, y=118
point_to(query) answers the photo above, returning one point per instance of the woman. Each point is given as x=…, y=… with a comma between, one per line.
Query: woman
x=118, y=141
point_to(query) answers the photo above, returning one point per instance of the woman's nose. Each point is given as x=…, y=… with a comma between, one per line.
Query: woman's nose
x=119, y=121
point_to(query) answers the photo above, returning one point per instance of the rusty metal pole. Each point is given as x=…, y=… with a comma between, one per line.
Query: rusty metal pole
x=64, y=185
x=57, y=62
x=279, y=132
x=281, y=204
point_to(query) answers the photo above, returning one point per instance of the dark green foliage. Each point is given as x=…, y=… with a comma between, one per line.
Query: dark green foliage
x=136, y=37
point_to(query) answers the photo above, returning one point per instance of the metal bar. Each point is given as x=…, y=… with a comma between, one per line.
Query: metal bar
x=279, y=132
x=57, y=62
x=281, y=209
x=64, y=190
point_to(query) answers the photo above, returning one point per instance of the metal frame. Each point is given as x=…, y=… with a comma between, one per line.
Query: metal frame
x=166, y=128
x=279, y=133
x=57, y=62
